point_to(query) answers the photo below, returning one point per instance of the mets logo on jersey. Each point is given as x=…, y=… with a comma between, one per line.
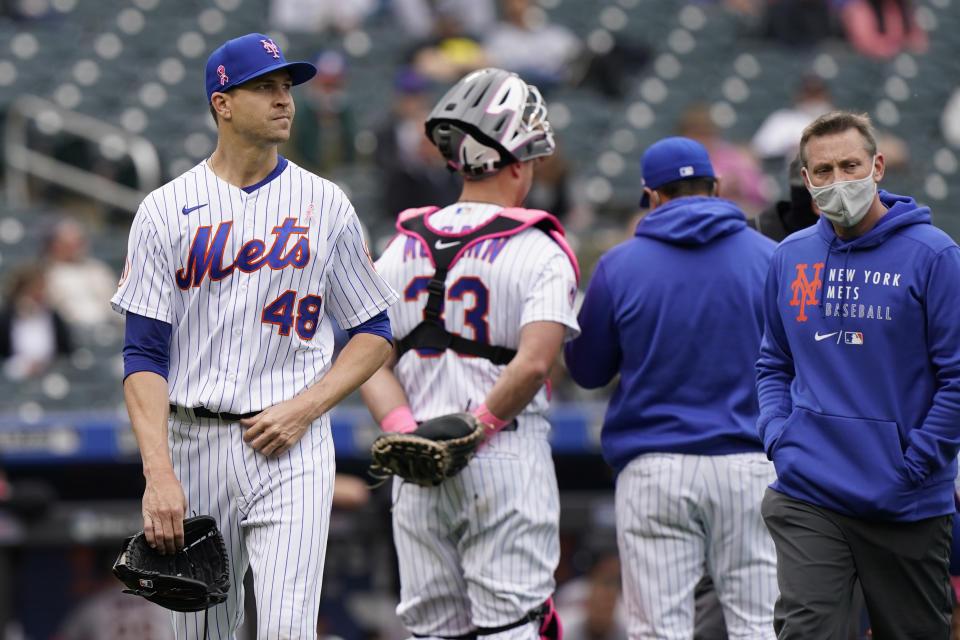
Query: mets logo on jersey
x=805, y=290
x=206, y=255
x=271, y=47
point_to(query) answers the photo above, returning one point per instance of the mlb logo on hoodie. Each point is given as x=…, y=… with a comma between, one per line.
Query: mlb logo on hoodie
x=853, y=337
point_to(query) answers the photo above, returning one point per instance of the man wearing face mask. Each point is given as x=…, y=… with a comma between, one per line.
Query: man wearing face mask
x=859, y=386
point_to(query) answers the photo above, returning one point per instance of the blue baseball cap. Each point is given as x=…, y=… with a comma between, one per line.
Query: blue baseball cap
x=247, y=57
x=673, y=159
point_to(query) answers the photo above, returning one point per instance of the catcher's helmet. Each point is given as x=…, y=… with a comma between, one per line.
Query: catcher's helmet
x=490, y=119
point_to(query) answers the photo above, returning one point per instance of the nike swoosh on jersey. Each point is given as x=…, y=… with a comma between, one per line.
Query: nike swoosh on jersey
x=440, y=244
x=187, y=210
x=819, y=337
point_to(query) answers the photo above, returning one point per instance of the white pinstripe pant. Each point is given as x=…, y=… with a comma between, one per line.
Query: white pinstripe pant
x=274, y=515
x=679, y=515
x=481, y=548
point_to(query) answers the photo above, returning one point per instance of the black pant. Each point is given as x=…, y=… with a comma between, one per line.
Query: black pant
x=903, y=568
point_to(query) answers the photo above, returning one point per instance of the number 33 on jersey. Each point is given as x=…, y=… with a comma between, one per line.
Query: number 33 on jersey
x=500, y=274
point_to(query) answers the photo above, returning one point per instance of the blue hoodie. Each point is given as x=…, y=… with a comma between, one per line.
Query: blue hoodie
x=676, y=311
x=859, y=371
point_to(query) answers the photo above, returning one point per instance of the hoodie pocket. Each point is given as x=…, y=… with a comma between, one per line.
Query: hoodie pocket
x=774, y=430
x=850, y=465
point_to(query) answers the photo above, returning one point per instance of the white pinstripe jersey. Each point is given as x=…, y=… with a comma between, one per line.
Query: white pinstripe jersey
x=494, y=289
x=247, y=278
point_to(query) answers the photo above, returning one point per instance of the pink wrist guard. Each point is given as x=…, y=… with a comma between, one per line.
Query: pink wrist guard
x=492, y=423
x=399, y=420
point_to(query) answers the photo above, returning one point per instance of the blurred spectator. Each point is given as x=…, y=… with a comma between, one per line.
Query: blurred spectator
x=26, y=9
x=556, y=190
x=102, y=610
x=590, y=608
x=740, y=176
x=319, y=16
x=450, y=54
x=415, y=172
x=798, y=23
x=549, y=55
x=110, y=614
x=325, y=125
x=742, y=7
x=786, y=216
x=525, y=42
x=349, y=491
x=881, y=29
x=32, y=333
x=424, y=19
x=79, y=285
x=779, y=134
x=950, y=119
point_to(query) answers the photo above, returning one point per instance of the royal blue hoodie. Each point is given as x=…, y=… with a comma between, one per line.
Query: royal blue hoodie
x=677, y=312
x=859, y=371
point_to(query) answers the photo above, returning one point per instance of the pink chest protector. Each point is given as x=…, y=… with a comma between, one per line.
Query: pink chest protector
x=444, y=249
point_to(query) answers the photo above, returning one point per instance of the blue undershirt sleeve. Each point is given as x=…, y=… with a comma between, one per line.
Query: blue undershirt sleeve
x=146, y=345
x=378, y=325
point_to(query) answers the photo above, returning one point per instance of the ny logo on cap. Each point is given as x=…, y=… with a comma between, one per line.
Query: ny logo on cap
x=222, y=74
x=271, y=48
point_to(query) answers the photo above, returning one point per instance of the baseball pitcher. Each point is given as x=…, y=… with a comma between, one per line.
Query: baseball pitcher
x=233, y=272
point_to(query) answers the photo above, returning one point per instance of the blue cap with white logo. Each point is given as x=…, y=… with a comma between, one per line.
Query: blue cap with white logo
x=247, y=57
x=673, y=159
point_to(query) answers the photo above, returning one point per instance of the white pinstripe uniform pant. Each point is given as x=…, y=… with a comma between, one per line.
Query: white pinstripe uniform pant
x=679, y=515
x=274, y=515
x=480, y=549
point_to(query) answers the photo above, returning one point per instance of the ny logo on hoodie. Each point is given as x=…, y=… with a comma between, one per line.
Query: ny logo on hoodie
x=804, y=290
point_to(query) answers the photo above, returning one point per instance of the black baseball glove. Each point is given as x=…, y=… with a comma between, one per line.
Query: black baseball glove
x=438, y=449
x=193, y=579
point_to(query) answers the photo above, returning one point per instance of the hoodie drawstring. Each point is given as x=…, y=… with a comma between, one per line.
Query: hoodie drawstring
x=846, y=261
x=823, y=279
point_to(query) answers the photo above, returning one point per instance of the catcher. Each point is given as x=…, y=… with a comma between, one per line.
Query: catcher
x=488, y=302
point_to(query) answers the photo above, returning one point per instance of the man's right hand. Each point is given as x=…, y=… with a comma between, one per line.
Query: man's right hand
x=164, y=505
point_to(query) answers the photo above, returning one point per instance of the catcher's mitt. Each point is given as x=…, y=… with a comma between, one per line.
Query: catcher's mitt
x=438, y=449
x=192, y=579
